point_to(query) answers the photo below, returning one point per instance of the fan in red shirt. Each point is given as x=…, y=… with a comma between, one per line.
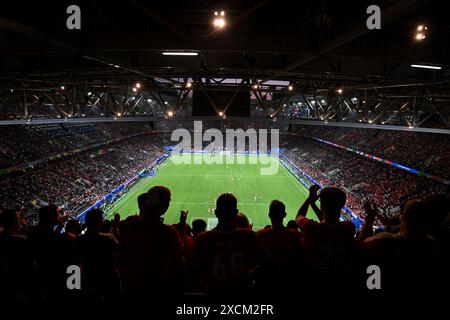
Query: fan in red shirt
x=329, y=245
x=151, y=252
x=282, y=244
x=284, y=248
x=226, y=255
x=411, y=260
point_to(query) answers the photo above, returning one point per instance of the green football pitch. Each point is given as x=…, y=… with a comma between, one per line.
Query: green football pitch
x=195, y=187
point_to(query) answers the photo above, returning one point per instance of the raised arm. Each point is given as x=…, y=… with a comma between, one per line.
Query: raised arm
x=310, y=201
x=317, y=210
x=115, y=226
x=371, y=213
x=303, y=210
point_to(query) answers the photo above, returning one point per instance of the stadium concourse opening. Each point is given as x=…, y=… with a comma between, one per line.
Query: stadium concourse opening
x=219, y=159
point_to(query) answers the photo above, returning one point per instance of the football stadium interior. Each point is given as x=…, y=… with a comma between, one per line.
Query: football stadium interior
x=211, y=150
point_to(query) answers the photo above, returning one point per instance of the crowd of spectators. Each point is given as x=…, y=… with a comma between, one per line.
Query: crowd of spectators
x=39, y=237
x=428, y=152
x=25, y=143
x=362, y=178
x=76, y=182
x=140, y=257
x=79, y=181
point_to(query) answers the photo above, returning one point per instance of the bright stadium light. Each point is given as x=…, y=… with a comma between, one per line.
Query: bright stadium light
x=424, y=66
x=420, y=36
x=179, y=53
x=62, y=87
x=149, y=100
x=290, y=87
x=220, y=113
x=340, y=91
x=119, y=114
x=188, y=85
x=137, y=85
x=421, y=28
x=165, y=102
x=219, y=20
x=219, y=23
x=170, y=113
x=421, y=32
x=134, y=89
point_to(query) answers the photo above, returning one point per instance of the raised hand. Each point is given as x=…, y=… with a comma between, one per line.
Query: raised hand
x=183, y=216
x=313, y=192
x=371, y=210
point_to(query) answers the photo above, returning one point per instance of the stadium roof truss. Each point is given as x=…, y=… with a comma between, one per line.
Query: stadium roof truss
x=338, y=69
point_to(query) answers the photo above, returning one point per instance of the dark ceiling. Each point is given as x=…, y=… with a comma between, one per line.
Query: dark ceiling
x=320, y=44
x=276, y=38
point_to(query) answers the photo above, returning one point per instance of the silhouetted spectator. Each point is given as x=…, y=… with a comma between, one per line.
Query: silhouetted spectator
x=198, y=226
x=72, y=229
x=97, y=254
x=46, y=245
x=329, y=245
x=107, y=230
x=281, y=243
x=411, y=261
x=284, y=248
x=15, y=260
x=292, y=225
x=226, y=255
x=182, y=227
x=151, y=252
x=68, y=253
x=439, y=220
x=241, y=221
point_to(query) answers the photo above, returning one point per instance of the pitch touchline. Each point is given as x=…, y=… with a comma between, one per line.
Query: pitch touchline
x=291, y=177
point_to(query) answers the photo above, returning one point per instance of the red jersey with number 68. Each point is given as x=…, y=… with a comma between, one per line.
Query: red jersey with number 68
x=225, y=259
